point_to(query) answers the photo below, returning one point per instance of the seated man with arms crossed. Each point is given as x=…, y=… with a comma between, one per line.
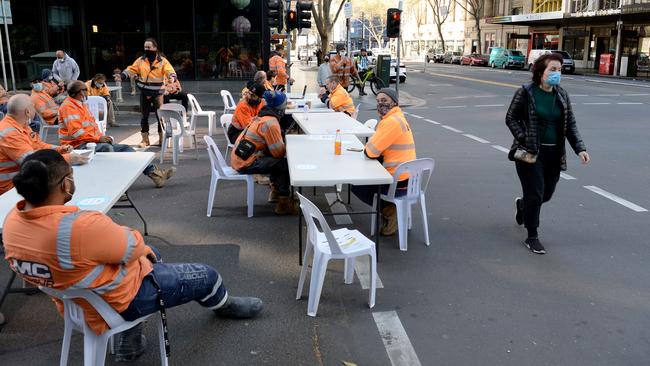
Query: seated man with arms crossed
x=336, y=97
x=173, y=91
x=97, y=87
x=78, y=128
x=78, y=249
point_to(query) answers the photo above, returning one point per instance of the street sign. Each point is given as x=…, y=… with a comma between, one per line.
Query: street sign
x=347, y=10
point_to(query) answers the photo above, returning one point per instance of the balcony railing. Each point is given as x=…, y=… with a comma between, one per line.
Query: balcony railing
x=545, y=6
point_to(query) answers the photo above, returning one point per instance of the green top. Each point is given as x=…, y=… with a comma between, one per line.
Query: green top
x=549, y=115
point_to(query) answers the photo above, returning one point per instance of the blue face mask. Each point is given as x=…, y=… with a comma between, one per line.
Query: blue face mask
x=37, y=87
x=554, y=78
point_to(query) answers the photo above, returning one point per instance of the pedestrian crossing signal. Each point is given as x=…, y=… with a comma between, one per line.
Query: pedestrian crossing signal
x=393, y=22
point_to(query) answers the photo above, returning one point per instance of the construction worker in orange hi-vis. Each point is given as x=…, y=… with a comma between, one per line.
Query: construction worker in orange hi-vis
x=279, y=65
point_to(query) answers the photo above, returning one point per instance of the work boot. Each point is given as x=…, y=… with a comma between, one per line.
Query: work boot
x=389, y=212
x=145, y=139
x=159, y=176
x=160, y=139
x=286, y=206
x=273, y=195
x=130, y=344
x=261, y=179
x=240, y=307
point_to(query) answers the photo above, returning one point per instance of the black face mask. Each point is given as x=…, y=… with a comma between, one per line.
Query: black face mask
x=150, y=55
x=254, y=102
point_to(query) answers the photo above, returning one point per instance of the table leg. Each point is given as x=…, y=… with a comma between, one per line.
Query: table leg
x=378, y=221
x=131, y=205
x=349, y=190
x=7, y=288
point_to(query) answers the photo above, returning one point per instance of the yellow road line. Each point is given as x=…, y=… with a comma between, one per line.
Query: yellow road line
x=476, y=80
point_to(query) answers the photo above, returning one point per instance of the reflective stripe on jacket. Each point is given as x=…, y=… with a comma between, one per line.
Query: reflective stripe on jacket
x=45, y=106
x=340, y=101
x=16, y=143
x=393, y=141
x=150, y=78
x=244, y=113
x=77, y=124
x=277, y=64
x=97, y=92
x=65, y=248
x=265, y=133
x=343, y=67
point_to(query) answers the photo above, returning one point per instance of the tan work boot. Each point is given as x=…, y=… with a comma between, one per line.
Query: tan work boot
x=159, y=176
x=261, y=179
x=286, y=206
x=389, y=212
x=145, y=139
x=273, y=195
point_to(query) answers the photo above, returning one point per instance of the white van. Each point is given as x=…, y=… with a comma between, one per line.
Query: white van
x=568, y=66
x=533, y=55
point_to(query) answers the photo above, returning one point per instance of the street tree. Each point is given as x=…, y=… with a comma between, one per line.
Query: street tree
x=325, y=20
x=441, y=10
x=418, y=12
x=374, y=18
x=475, y=9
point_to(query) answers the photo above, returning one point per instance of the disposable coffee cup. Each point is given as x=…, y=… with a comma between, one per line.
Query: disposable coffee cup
x=91, y=146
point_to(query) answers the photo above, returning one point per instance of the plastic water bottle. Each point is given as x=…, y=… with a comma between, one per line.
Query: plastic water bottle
x=337, y=143
x=91, y=146
x=305, y=111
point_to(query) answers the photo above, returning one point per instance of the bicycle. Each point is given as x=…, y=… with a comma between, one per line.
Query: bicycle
x=376, y=83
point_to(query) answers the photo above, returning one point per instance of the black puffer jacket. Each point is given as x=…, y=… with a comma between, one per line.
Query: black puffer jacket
x=521, y=119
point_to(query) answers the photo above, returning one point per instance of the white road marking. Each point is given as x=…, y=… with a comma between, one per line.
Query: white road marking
x=629, y=103
x=501, y=148
x=434, y=85
x=455, y=97
x=607, y=95
x=431, y=121
x=636, y=95
x=487, y=96
x=579, y=95
x=616, y=199
x=452, y=129
x=565, y=176
x=596, y=103
x=489, y=105
x=396, y=341
x=616, y=82
x=452, y=106
x=476, y=138
x=362, y=268
x=416, y=116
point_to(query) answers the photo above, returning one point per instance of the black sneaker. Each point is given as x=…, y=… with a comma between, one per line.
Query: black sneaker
x=240, y=307
x=519, y=211
x=534, y=245
x=130, y=344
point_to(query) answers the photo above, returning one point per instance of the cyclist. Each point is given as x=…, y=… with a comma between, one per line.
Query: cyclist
x=364, y=68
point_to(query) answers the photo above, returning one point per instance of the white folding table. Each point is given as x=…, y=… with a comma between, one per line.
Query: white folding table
x=310, y=110
x=99, y=184
x=312, y=163
x=328, y=123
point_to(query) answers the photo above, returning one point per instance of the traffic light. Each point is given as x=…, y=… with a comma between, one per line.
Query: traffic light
x=303, y=7
x=292, y=20
x=276, y=13
x=393, y=22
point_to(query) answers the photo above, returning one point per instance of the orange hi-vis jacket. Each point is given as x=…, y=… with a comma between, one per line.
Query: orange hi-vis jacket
x=343, y=67
x=16, y=143
x=45, y=106
x=244, y=113
x=268, y=85
x=151, y=78
x=279, y=65
x=393, y=141
x=265, y=133
x=78, y=125
x=97, y=92
x=65, y=248
x=340, y=101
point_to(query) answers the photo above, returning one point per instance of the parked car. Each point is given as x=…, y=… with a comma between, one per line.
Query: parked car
x=643, y=62
x=473, y=59
x=451, y=57
x=435, y=56
x=568, y=65
x=505, y=58
x=402, y=71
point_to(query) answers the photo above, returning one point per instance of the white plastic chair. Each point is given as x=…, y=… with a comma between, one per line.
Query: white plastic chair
x=356, y=111
x=327, y=244
x=174, y=131
x=45, y=128
x=226, y=120
x=197, y=111
x=229, y=104
x=371, y=123
x=95, y=345
x=97, y=105
x=234, y=70
x=420, y=171
x=220, y=170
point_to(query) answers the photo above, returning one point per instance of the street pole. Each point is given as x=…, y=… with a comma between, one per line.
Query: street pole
x=399, y=38
x=2, y=59
x=288, y=47
x=347, y=25
x=11, y=63
x=617, y=57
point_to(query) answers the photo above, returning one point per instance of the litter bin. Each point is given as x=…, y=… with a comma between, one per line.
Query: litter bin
x=606, y=64
x=382, y=69
x=629, y=65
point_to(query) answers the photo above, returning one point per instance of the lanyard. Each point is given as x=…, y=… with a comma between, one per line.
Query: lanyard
x=163, y=315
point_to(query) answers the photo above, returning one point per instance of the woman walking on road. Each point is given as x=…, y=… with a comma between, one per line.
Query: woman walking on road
x=540, y=118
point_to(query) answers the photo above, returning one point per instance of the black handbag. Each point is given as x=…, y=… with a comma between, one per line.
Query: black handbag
x=245, y=149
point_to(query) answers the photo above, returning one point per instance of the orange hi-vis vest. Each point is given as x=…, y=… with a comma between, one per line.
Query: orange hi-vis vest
x=97, y=92
x=265, y=133
x=244, y=113
x=45, y=106
x=16, y=143
x=343, y=67
x=78, y=125
x=151, y=78
x=277, y=64
x=393, y=141
x=65, y=248
x=340, y=101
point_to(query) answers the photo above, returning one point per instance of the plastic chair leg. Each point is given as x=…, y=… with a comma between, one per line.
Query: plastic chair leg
x=196, y=147
x=409, y=211
x=318, y=270
x=175, y=149
x=161, y=341
x=303, y=271
x=373, y=218
x=425, y=224
x=402, y=224
x=250, y=194
x=373, y=278
x=90, y=348
x=212, y=193
x=211, y=124
x=163, y=148
x=100, y=350
x=348, y=270
x=65, y=346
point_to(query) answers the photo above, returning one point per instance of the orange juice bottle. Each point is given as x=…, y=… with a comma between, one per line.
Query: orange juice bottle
x=337, y=143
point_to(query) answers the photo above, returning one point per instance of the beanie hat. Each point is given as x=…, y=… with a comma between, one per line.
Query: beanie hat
x=257, y=89
x=275, y=99
x=391, y=93
x=46, y=74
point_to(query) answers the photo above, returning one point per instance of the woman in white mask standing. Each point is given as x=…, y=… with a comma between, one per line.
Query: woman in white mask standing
x=541, y=118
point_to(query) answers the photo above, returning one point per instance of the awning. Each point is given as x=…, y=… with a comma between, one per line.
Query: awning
x=559, y=19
